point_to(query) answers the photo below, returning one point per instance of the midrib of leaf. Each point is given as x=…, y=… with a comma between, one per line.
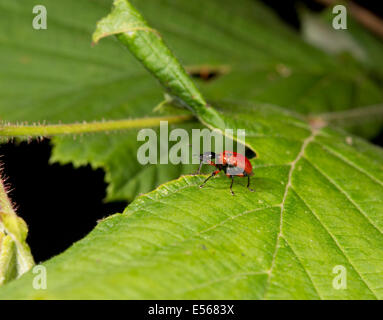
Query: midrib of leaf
x=289, y=185
x=305, y=143
x=301, y=155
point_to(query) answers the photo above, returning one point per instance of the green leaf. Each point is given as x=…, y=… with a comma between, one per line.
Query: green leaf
x=55, y=75
x=317, y=208
x=317, y=205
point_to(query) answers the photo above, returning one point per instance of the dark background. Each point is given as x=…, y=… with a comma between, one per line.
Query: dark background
x=61, y=204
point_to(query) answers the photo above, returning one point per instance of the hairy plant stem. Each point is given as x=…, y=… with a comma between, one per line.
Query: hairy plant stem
x=15, y=130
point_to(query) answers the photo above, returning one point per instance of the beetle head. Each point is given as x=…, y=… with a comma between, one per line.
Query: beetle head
x=207, y=156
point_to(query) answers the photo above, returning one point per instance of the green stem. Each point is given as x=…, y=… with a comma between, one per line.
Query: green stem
x=11, y=130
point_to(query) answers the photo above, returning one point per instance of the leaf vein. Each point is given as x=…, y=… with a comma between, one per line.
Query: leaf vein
x=349, y=199
x=305, y=143
x=304, y=268
x=350, y=163
x=336, y=243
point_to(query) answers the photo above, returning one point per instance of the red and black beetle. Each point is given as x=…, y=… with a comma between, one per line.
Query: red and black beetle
x=232, y=163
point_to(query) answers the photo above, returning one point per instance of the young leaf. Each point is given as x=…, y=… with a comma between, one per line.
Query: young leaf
x=15, y=255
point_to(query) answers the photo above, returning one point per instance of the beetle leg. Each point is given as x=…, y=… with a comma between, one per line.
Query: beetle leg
x=199, y=169
x=248, y=184
x=231, y=185
x=212, y=175
x=200, y=166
